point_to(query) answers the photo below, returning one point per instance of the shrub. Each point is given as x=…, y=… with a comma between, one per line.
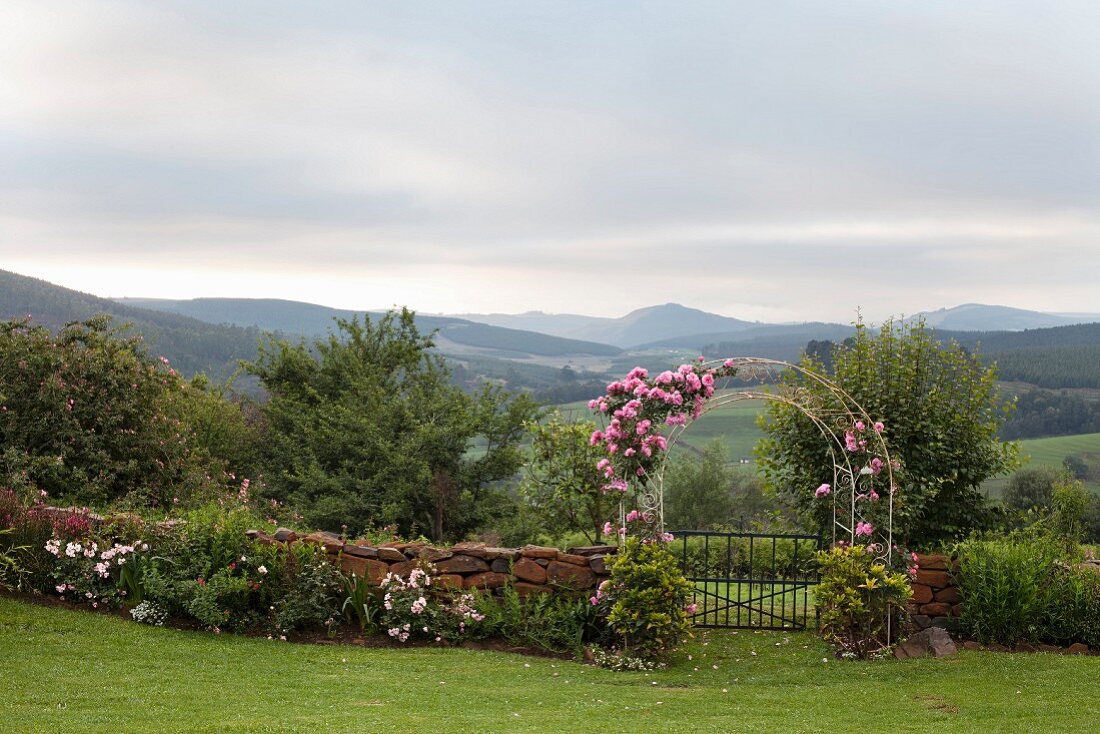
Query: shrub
x=90, y=417
x=550, y=621
x=412, y=607
x=27, y=527
x=361, y=603
x=87, y=570
x=1004, y=586
x=149, y=613
x=1068, y=505
x=861, y=601
x=1073, y=606
x=10, y=569
x=310, y=593
x=648, y=599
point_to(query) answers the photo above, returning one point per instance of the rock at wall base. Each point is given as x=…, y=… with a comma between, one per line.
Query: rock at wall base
x=933, y=641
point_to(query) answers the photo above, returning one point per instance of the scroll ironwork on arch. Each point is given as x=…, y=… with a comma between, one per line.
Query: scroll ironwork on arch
x=647, y=415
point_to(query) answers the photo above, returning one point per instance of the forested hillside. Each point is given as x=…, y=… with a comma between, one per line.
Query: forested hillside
x=191, y=345
x=312, y=320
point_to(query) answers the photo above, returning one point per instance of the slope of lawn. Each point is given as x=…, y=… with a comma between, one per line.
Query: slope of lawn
x=66, y=671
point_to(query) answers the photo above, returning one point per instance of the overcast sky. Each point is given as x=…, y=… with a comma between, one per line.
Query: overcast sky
x=771, y=160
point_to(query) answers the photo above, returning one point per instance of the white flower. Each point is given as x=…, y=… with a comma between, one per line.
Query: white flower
x=262, y=570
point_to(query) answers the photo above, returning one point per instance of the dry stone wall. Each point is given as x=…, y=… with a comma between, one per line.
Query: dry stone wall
x=936, y=600
x=529, y=570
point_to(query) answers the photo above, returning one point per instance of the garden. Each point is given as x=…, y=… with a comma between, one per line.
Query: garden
x=164, y=542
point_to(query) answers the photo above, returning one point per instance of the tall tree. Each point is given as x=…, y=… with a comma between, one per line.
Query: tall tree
x=365, y=428
x=942, y=414
x=562, y=483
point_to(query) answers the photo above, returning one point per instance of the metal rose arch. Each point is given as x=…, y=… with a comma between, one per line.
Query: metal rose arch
x=646, y=416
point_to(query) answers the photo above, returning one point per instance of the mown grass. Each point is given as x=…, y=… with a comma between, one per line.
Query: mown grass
x=80, y=672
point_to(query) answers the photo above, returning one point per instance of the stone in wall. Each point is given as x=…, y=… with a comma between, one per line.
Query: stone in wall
x=570, y=575
x=526, y=569
x=462, y=564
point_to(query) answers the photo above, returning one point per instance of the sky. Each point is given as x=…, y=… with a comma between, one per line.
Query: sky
x=776, y=160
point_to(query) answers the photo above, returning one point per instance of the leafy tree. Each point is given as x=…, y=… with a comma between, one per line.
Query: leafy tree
x=1077, y=467
x=942, y=415
x=562, y=483
x=365, y=427
x=703, y=492
x=89, y=417
x=697, y=489
x=1031, y=488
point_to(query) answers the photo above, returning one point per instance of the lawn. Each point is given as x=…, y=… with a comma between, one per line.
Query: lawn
x=82, y=672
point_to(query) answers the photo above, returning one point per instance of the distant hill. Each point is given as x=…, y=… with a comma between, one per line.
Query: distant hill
x=191, y=345
x=774, y=341
x=980, y=317
x=642, y=326
x=311, y=320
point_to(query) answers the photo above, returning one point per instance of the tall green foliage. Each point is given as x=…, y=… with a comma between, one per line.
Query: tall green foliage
x=562, y=483
x=942, y=415
x=366, y=428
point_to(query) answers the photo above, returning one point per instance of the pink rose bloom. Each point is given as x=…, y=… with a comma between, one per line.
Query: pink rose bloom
x=879, y=427
x=823, y=490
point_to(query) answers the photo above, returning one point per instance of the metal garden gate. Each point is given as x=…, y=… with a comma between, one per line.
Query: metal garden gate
x=749, y=580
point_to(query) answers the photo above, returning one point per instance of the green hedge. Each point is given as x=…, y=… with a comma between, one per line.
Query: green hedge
x=1026, y=588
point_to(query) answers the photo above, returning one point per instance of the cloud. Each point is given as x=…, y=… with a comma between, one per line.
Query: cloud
x=569, y=157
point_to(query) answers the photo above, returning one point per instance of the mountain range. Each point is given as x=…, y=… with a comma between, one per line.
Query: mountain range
x=212, y=334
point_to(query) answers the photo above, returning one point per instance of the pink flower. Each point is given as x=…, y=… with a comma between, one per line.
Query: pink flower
x=607, y=528
x=823, y=490
x=879, y=427
x=864, y=529
x=690, y=608
x=632, y=516
x=596, y=437
x=860, y=425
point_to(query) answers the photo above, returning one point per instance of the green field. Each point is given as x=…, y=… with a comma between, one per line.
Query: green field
x=78, y=672
x=1051, y=452
x=735, y=427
